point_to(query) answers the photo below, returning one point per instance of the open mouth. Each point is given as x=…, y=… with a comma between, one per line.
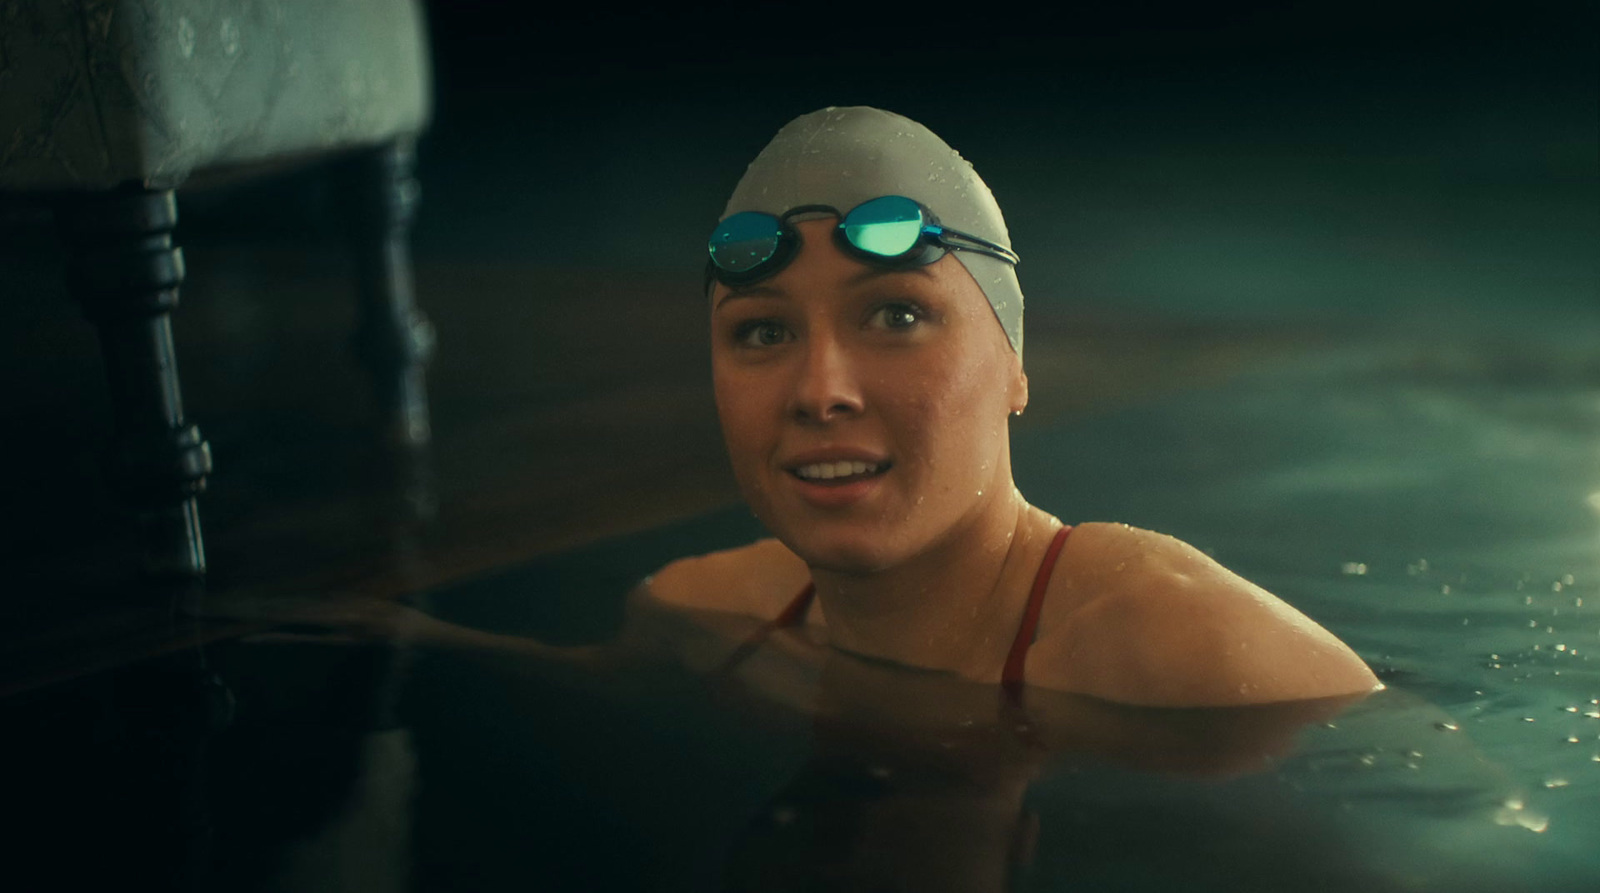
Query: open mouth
x=841, y=472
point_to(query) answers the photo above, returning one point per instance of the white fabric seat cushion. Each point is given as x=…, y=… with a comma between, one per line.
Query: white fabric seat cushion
x=94, y=93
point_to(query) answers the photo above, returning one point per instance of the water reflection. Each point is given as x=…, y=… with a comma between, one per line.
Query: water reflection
x=808, y=769
x=917, y=781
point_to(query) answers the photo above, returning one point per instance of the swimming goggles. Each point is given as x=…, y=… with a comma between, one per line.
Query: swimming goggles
x=888, y=231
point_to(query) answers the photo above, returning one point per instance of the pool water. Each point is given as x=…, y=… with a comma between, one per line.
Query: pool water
x=1438, y=511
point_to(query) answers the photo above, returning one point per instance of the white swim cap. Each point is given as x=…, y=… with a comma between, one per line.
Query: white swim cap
x=843, y=156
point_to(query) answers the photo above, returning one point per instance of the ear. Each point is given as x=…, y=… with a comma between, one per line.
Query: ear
x=1019, y=390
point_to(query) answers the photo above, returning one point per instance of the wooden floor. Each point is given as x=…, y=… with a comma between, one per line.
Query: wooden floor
x=569, y=406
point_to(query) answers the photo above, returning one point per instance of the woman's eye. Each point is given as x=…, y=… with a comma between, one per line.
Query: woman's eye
x=761, y=333
x=897, y=316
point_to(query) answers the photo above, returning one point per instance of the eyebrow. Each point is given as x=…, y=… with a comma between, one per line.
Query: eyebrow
x=761, y=290
x=751, y=291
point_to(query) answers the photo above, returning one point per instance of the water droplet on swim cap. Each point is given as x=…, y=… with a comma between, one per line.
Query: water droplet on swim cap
x=884, y=154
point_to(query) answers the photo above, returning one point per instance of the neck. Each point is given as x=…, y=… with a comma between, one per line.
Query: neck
x=956, y=606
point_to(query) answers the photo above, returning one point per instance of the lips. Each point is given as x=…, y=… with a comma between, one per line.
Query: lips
x=839, y=464
x=836, y=478
x=842, y=470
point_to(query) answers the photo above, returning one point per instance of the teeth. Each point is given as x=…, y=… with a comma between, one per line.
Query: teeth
x=824, y=471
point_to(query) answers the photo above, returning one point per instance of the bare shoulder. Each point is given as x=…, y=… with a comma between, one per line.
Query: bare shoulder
x=1144, y=618
x=755, y=580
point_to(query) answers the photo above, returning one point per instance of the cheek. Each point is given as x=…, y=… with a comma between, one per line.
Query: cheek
x=742, y=414
x=959, y=415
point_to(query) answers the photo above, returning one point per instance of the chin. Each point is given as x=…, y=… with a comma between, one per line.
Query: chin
x=841, y=544
x=844, y=552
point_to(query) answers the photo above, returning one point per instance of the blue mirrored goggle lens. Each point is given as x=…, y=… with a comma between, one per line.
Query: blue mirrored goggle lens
x=888, y=226
x=745, y=241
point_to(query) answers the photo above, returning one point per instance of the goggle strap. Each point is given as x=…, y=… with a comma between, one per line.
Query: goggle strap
x=978, y=244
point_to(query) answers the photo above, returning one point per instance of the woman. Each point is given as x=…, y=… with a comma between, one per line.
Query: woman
x=866, y=329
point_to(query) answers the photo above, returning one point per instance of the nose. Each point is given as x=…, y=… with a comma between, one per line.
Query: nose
x=826, y=388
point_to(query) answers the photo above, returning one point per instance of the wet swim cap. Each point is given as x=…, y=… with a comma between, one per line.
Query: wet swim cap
x=843, y=156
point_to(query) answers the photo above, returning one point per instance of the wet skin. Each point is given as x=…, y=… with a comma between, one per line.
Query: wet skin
x=834, y=360
x=926, y=560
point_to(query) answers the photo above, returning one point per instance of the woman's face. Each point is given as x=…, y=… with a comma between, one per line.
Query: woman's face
x=864, y=410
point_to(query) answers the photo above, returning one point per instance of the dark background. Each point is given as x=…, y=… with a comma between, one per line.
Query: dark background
x=1198, y=158
x=1411, y=169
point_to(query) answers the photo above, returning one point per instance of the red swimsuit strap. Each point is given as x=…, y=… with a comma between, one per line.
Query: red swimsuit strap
x=792, y=615
x=795, y=613
x=1011, y=676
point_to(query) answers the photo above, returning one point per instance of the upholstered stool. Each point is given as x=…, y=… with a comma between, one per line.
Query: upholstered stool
x=107, y=107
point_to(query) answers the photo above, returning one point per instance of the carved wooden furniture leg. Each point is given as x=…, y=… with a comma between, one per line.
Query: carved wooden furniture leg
x=393, y=339
x=125, y=270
